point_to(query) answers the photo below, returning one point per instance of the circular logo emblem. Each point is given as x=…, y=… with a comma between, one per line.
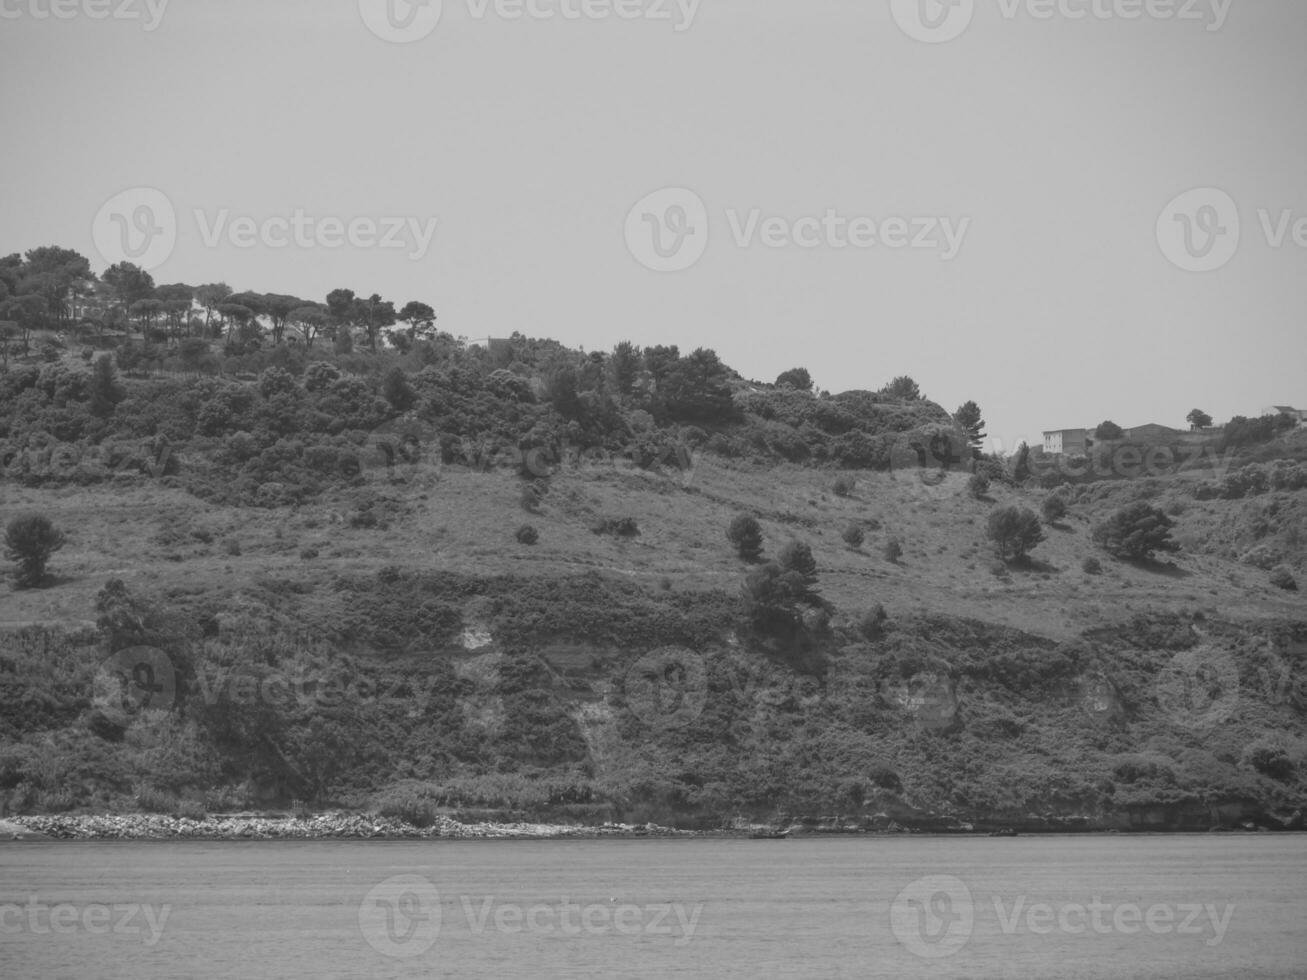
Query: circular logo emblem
x=1199, y=231
x=929, y=463
x=404, y=450
x=137, y=226
x=139, y=678
x=667, y=688
x=401, y=21
x=400, y=918
x=668, y=230
x=1199, y=688
x=933, y=917
x=933, y=21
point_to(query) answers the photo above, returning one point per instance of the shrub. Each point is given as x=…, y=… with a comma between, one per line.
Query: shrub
x=797, y=557
x=531, y=497
x=746, y=534
x=871, y=623
x=1269, y=759
x=232, y=546
x=893, y=550
x=620, y=527
x=527, y=535
x=854, y=536
x=1014, y=531
x=1092, y=566
x=1282, y=578
x=844, y=486
x=796, y=378
x=1137, y=531
x=978, y=485
x=1054, y=508
x=31, y=541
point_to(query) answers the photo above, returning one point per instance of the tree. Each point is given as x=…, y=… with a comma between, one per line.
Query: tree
x=968, y=417
x=746, y=534
x=60, y=277
x=127, y=284
x=30, y=541
x=1137, y=532
x=695, y=389
x=1021, y=465
x=795, y=378
x=1014, y=531
x=278, y=307
x=1054, y=508
x=396, y=389
x=797, y=557
x=625, y=367
x=854, y=536
x=1198, y=419
x=211, y=296
x=105, y=391
x=421, y=320
x=893, y=551
x=978, y=485
x=902, y=388
x=310, y=321
x=1109, y=431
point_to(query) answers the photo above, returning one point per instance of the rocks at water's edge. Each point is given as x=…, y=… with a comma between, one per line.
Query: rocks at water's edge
x=327, y=826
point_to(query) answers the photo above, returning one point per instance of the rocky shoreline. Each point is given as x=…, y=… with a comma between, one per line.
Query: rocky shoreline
x=326, y=826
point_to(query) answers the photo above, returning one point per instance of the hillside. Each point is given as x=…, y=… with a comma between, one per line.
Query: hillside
x=377, y=636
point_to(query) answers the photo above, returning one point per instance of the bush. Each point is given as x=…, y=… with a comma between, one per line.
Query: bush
x=797, y=557
x=1092, y=566
x=620, y=527
x=31, y=541
x=893, y=550
x=531, y=497
x=527, y=535
x=854, y=536
x=978, y=485
x=1054, y=508
x=1269, y=759
x=871, y=623
x=1282, y=578
x=1137, y=531
x=844, y=486
x=1014, y=531
x=746, y=534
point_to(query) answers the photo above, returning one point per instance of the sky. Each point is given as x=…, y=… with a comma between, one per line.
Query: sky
x=1066, y=210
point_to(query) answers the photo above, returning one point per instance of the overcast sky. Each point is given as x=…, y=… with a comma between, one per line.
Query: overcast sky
x=1033, y=161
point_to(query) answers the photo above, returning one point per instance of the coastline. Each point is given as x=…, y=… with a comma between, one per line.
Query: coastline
x=341, y=826
x=325, y=826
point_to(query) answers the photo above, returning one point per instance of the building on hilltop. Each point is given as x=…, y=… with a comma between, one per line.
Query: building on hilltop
x=1298, y=415
x=1068, y=442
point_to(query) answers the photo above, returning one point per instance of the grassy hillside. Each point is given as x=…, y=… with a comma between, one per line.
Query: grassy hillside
x=382, y=639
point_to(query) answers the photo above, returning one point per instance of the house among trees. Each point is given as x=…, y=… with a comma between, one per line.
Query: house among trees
x=1068, y=442
x=1298, y=415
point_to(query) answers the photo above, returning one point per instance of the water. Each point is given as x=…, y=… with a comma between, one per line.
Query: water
x=1166, y=907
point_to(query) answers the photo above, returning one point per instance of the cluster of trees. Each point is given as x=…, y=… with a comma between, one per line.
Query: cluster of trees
x=53, y=288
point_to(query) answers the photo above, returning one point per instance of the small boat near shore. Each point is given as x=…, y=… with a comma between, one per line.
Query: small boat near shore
x=768, y=834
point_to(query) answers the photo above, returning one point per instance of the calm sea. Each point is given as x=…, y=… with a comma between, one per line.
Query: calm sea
x=1048, y=907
